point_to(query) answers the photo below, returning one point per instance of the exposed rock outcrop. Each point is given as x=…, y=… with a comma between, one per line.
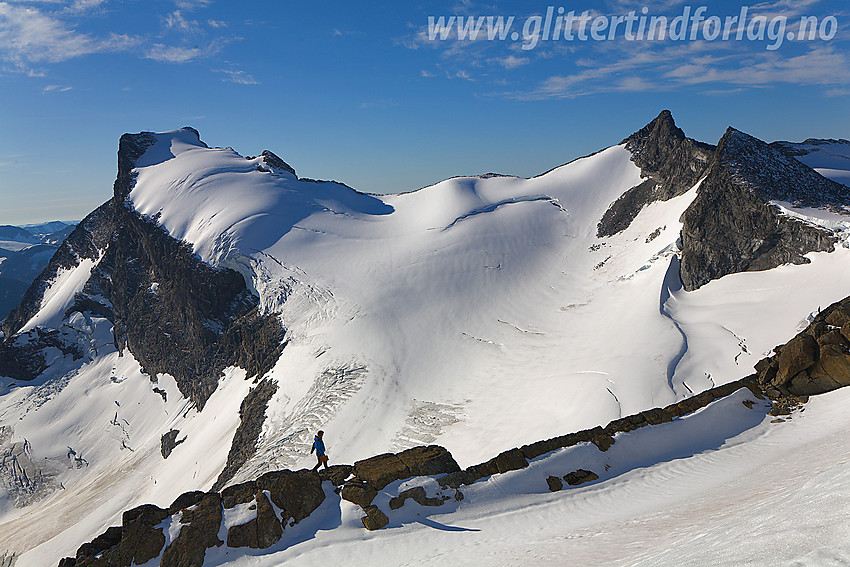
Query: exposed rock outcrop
x=200, y=529
x=252, y=414
x=169, y=441
x=815, y=361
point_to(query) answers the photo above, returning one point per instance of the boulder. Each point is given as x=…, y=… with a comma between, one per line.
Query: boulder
x=428, y=461
x=554, y=483
x=199, y=533
x=297, y=493
x=261, y=532
x=381, y=470
x=418, y=495
x=185, y=500
x=580, y=477
x=360, y=493
x=336, y=474
x=831, y=371
x=238, y=494
x=833, y=337
x=374, y=518
x=798, y=354
x=837, y=316
x=601, y=439
x=110, y=538
x=510, y=460
x=136, y=542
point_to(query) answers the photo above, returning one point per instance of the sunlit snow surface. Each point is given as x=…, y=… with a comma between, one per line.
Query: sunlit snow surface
x=479, y=314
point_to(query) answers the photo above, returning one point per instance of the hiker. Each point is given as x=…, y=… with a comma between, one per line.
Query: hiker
x=319, y=447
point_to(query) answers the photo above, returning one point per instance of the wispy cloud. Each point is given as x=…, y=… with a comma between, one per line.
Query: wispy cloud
x=512, y=61
x=237, y=76
x=56, y=88
x=176, y=21
x=78, y=6
x=28, y=35
x=673, y=67
x=178, y=54
x=192, y=4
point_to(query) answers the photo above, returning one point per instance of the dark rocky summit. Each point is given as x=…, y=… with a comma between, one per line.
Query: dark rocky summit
x=731, y=226
x=671, y=163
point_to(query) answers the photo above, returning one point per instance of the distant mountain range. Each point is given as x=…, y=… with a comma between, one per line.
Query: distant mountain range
x=24, y=252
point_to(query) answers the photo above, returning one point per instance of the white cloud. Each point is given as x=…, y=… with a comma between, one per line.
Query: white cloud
x=28, y=36
x=85, y=5
x=56, y=88
x=176, y=21
x=237, y=76
x=192, y=4
x=217, y=24
x=173, y=53
x=512, y=61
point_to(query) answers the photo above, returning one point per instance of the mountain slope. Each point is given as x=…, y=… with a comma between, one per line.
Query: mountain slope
x=479, y=313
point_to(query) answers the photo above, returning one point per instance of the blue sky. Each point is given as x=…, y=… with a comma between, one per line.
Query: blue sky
x=357, y=92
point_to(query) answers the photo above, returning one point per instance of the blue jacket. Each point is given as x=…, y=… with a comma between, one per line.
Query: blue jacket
x=318, y=446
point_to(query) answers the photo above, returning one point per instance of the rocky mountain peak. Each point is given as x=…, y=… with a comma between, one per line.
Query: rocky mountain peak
x=670, y=162
x=275, y=164
x=774, y=175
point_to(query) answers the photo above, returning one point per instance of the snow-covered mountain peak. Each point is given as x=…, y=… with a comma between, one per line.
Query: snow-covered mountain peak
x=167, y=145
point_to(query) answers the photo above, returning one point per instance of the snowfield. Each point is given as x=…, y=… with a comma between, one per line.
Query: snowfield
x=478, y=314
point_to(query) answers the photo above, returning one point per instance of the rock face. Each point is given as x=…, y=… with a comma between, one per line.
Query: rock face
x=671, y=163
x=296, y=493
x=731, y=226
x=815, y=361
